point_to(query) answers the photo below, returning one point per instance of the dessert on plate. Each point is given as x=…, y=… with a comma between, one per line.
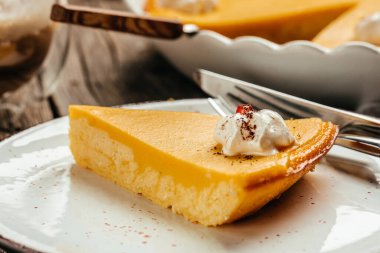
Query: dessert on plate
x=188, y=162
x=276, y=20
x=326, y=22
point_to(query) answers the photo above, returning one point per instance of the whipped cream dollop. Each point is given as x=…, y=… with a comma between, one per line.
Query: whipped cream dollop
x=189, y=6
x=259, y=133
x=368, y=29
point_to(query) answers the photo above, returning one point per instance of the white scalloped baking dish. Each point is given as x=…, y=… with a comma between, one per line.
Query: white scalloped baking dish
x=343, y=76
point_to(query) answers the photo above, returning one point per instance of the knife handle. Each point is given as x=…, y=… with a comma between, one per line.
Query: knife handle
x=117, y=21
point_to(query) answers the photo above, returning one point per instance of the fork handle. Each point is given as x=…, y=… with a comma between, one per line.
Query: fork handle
x=368, y=145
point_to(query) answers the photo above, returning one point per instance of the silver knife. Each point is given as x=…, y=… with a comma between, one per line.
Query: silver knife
x=354, y=128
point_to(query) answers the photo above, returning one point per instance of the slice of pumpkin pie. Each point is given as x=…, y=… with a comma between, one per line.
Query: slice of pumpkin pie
x=174, y=159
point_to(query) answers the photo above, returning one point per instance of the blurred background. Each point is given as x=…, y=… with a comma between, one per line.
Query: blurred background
x=102, y=68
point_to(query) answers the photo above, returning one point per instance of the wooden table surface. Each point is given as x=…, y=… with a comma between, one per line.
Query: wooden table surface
x=105, y=68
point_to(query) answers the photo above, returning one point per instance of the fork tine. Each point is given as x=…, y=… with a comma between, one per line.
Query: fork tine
x=227, y=104
x=216, y=107
x=287, y=109
x=259, y=103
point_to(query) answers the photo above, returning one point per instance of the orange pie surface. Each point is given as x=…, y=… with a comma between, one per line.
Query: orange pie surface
x=276, y=20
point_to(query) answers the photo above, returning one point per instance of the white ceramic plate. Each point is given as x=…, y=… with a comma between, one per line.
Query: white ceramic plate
x=49, y=204
x=344, y=76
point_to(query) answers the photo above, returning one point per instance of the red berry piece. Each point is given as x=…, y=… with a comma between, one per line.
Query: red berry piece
x=244, y=109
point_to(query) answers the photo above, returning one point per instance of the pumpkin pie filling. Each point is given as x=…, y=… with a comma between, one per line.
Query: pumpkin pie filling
x=278, y=21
